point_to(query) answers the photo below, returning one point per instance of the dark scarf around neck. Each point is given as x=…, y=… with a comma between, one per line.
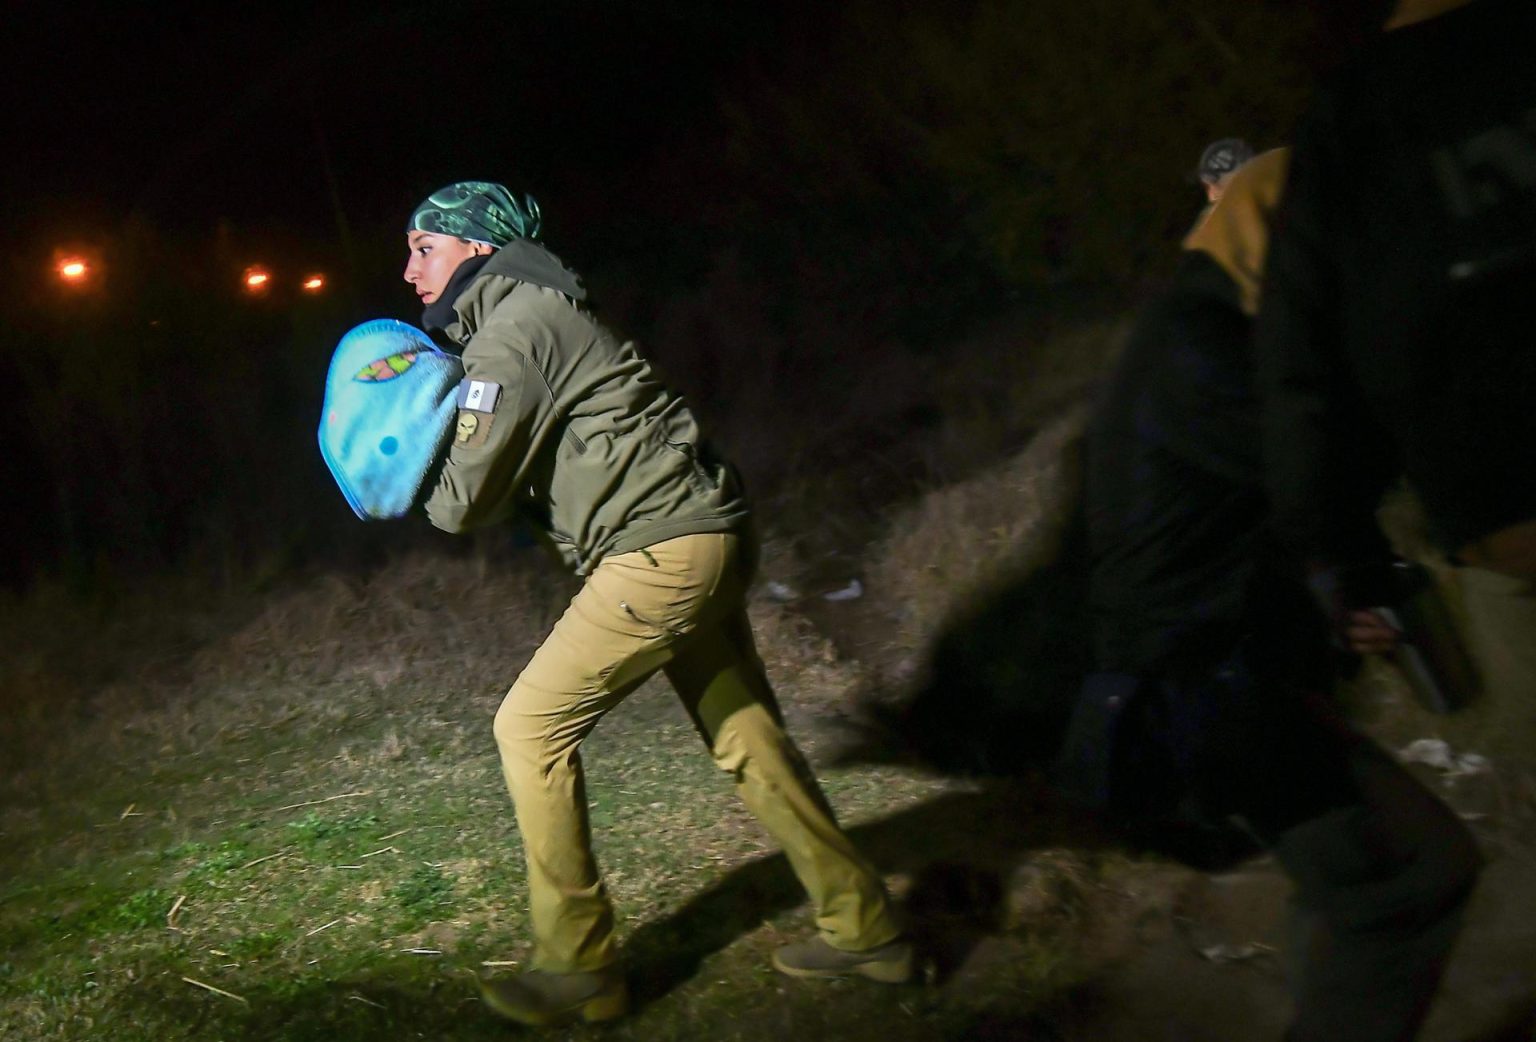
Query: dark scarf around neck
x=439, y=315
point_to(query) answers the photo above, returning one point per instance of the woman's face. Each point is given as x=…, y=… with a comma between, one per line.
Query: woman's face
x=433, y=260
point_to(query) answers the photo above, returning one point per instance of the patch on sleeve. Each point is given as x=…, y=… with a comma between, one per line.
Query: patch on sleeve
x=472, y=428
x=386, y=368
x=479, y=395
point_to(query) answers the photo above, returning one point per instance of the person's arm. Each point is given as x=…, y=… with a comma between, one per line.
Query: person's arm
x=497, y=436
x=1326, y=462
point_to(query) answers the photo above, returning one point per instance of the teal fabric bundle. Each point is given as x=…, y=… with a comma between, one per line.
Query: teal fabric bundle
x=390, y=402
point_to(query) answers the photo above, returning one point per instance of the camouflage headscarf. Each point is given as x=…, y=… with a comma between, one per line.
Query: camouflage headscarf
x=481, y=211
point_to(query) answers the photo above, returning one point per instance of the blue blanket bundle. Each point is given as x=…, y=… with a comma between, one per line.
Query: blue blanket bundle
x=389, y=408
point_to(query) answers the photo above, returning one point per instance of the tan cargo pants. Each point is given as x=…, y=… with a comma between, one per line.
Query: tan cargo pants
x=678, y=606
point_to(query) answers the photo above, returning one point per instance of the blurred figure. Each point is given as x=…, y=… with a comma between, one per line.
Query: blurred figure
x=1206, y=727
x=562, y=423
x=1211, y=692
x=1395, y=336
x=1220, y=160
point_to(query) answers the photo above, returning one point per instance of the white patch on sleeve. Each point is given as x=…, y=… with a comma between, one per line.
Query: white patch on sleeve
x=479, y=395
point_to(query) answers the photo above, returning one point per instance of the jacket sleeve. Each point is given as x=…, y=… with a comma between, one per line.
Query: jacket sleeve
x=484, y=477
x=1326, y=462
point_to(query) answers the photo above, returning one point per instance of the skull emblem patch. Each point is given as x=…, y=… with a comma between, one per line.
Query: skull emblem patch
x=466, y=427
x=472, y=428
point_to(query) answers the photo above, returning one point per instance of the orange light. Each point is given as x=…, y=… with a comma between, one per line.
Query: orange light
x=78, y=267
x=256, y=279
x=314, y=283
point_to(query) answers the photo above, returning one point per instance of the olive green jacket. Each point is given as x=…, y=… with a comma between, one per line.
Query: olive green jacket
x=577, y=432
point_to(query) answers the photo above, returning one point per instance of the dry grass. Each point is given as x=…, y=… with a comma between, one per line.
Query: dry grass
x=297, y=830
x=943, y=550
x=964, y=538
x=88, y=682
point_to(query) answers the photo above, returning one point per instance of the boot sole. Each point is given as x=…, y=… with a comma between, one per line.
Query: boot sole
x=897, y=971
x=592, y=1011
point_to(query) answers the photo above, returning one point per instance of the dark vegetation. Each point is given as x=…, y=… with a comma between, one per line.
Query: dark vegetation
x=854, y=197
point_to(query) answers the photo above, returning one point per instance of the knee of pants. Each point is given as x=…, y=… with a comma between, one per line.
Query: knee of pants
x=1458, y=864
x=1362, y=877
x=518, y=739
x=749, y=735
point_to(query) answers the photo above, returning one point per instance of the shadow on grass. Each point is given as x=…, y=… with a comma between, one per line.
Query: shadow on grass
x=387, y=1003
x=959, y=850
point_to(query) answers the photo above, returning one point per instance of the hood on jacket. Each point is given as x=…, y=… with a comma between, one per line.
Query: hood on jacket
x=1236, y=230
x=457, y=314
x=527, y=261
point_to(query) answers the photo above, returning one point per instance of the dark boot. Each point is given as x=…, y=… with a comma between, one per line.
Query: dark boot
x=542, y=999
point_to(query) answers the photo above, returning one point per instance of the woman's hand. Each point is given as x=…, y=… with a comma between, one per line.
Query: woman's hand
x=1367, y=633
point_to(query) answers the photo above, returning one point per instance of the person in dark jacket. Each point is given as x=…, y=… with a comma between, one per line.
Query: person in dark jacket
x=562, y=423
x=1211, y=695
x=1395, y=338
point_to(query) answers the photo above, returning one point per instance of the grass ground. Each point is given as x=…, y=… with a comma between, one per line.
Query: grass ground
x=278, y=816
x=323, y=849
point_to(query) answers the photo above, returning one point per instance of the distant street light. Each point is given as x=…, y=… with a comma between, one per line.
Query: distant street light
x=256, y=279
x=313, y=283
x=73, y=269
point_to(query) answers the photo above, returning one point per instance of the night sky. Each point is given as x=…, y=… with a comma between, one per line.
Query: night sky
x=327, y=120
x=274, y=118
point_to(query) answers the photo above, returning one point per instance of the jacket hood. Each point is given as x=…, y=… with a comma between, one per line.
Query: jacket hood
x=1236, y=230
x=527, y=261
x=520, y=261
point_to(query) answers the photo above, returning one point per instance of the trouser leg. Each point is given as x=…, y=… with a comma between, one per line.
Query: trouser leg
x=620, y=627
x=683, y=597
x=720, y=679
x=1381, y=885
x=586, y=666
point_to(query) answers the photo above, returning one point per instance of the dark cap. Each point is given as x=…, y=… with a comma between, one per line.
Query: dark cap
x=1220, y=158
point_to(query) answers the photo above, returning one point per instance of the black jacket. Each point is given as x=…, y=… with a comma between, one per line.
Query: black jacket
x=1182, y=563
x=1396, y=332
